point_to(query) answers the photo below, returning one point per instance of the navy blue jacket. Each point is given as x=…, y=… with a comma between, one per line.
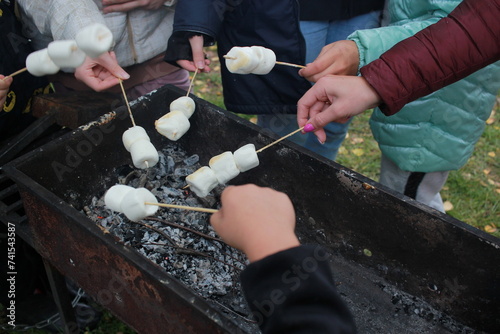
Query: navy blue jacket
x=333, y=10
x=294, y=292
x=272, y=24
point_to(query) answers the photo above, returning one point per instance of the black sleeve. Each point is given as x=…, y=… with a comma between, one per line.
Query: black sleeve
x=293, y=292
x=194, y=17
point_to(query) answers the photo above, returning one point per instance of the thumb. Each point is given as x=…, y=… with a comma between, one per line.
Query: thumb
x=108, y=60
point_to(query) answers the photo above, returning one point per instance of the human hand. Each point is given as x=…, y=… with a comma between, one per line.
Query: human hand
x=259, y=221
x=338, y=58
x=199, y=61
x=111, y=6
x=102, y=72
x=5, y=83
x=335, y=98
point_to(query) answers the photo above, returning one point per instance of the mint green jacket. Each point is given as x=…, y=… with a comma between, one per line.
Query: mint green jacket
x=437, y=132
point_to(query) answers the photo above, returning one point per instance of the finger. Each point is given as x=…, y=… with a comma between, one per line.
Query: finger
x=187, y=65
x=109, y=62
x=197, y=49
x=118, y=6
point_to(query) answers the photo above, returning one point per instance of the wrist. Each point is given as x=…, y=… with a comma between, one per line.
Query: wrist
x=263, y=248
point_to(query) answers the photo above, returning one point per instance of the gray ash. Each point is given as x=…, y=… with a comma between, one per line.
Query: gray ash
x=180, y=241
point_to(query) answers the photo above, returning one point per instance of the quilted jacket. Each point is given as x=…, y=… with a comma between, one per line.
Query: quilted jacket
x=436, y=132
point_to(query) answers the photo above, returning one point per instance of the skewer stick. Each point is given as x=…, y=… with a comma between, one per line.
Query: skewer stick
x=277, y=141
x=174, y=206
x=16, y=73
x=126, y=100
x=289, y=64
x=277, y=62
x=192, y=81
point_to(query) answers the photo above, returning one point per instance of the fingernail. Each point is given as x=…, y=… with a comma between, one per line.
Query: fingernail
x=200, y=65
x=321, y=142
x=124, y=75
x=309, y=127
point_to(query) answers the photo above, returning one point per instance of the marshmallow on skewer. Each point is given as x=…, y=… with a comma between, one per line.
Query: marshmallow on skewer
x=134, y=207
x=246, y=157
x=114, y=196
x=94, y=39
x=65, y=53
x=266, y=60
x=132, y=135
x=38, y=63
x=173, y=125
x=224, y=167
x=184, y=104
x=241, y=60
x=144, y=154
x=202, y=181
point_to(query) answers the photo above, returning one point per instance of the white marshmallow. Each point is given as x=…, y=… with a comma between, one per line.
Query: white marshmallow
x=266, y=60
x=144, y=154
x=132, y=135
x=38, y=63
x=202, y=181
x=184, y=104
x=65, y=53
x=244, y=60
x=224, y=167
x=246, y=157
x=114, y=196
x=173, y=125
x=133, y=204
x=94, y=39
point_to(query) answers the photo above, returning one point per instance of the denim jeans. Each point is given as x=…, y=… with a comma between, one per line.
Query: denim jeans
x=317, y=34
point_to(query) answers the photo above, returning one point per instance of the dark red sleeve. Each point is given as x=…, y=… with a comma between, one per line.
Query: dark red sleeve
x=443, y=53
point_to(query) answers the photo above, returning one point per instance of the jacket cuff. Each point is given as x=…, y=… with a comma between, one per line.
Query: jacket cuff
x=179, y=48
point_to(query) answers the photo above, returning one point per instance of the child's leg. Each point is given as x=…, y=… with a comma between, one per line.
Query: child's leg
x=424, y=187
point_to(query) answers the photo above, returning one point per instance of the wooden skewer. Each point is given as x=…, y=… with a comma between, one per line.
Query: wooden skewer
x=277, y=141
x=277, y=62
x=126, y=100
x=192, y=81
x=289, y=64
x=184, y=207
x=16, y=73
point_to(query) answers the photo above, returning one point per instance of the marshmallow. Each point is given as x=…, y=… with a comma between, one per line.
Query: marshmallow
x=132, y=135
x=65, y=53
x=184, y=104
x=144, y=154
x=246, y=157
x=202, y=181
x=243, y=62
x=38, y=63
x=224, y=167
x=266, y=60
x=94, y=39
x=173, y=125
x=133, y=205
x=114, y=196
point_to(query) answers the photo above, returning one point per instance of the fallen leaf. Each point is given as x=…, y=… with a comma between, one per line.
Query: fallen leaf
x=357, y=140
x=342, y=150
x=486, y=171
x=492, y=154
x=490, y=228
x=358, y=152
x=447, y=206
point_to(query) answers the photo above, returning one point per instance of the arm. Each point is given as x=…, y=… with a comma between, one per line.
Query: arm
x=111, y=6
x=193, y=30
x=468, y=36
x=283, y=294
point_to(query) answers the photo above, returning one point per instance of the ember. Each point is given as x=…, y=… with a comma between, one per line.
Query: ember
x=182, y=242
